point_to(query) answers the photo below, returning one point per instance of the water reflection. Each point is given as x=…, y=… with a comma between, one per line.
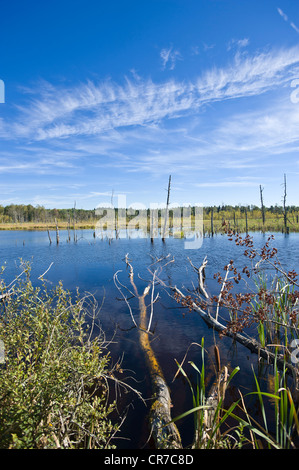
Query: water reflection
x=91, y=263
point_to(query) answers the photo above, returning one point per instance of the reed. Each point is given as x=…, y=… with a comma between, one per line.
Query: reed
x=268, y=315
x=232, y=427
x=208, y=411
x=242, y=219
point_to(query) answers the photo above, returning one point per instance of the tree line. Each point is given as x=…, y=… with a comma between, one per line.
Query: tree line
x=21, y=213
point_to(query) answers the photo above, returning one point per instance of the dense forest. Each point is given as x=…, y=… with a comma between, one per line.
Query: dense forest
x=27, y=213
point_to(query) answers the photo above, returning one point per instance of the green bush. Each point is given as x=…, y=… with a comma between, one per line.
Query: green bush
x=54, y=379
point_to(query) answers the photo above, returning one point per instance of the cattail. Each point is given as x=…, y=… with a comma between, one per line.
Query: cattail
x=217, y=357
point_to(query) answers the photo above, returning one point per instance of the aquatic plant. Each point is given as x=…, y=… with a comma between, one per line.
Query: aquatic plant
x=219, y=424
x=263, y=313
x=208, y=410
x=262, y=316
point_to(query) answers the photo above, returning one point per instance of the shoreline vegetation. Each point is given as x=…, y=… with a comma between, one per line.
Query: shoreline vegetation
x=242, y=219
x=59, y=386
x=57, y=376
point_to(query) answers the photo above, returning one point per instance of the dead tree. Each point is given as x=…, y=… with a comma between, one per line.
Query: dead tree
x=49, y=235
x=74, y=222
x=262, y=205
x=285, y=210
x=212, y=222
x=57, y=232
x=246, y=221
x=166, y=219
x=204, y=298
x=69, y=228
x=201, y=276
x=164, y=433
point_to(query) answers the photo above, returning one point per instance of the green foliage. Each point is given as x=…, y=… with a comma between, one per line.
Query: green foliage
x=239, y=217
x=209, y=412
x=267, y=311
x=53, y=383
x=232, y=427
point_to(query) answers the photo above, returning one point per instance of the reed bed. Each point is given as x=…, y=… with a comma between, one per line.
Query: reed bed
x=222, y=424
x=271, y=225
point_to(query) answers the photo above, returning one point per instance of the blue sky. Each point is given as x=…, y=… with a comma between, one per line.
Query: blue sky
x=107, y=97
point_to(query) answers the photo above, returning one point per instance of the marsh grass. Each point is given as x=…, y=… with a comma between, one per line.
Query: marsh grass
x=266, y=311
x=275, y=296
x=208, y=410
x=43, y=226
x=232, y=427
x=234, y=216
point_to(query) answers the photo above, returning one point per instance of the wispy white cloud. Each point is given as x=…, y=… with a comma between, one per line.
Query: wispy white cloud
x=195, y=50
x=249, y=75
x=268, y=131
x=237, y=43
x=42, y=166
x=244, y=142
x=96, y=108
x=294, y=27
x=282, y=14
x=146, y=126
x=286, y=19
x=169, y=57
x=207, y=47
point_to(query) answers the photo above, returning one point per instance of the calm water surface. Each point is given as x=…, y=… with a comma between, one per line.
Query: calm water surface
x=90, y=265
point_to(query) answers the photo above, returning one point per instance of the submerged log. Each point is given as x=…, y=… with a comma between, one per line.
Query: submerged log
x=164, y=433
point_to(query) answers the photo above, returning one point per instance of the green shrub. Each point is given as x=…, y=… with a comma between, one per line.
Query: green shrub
x=54, y=379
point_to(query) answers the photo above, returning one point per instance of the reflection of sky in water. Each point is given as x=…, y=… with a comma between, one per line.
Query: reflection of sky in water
x=91, y=263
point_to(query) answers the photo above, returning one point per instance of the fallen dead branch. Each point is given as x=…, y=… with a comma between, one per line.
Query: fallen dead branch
x=251, y=344
x=204, y=308
x=164, y=433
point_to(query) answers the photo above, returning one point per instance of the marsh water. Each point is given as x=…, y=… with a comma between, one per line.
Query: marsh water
x=90, y=264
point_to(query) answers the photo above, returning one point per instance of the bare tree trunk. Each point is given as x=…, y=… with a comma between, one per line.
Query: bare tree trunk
x=49, y=235
x=166, y=436
x=285, y=215
x=68, y=229
x=262, y=204
x=152, y=225
x=57, y=233
x=216, y=393
x=74, y=221
x=166, y=213
x=164, y=433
